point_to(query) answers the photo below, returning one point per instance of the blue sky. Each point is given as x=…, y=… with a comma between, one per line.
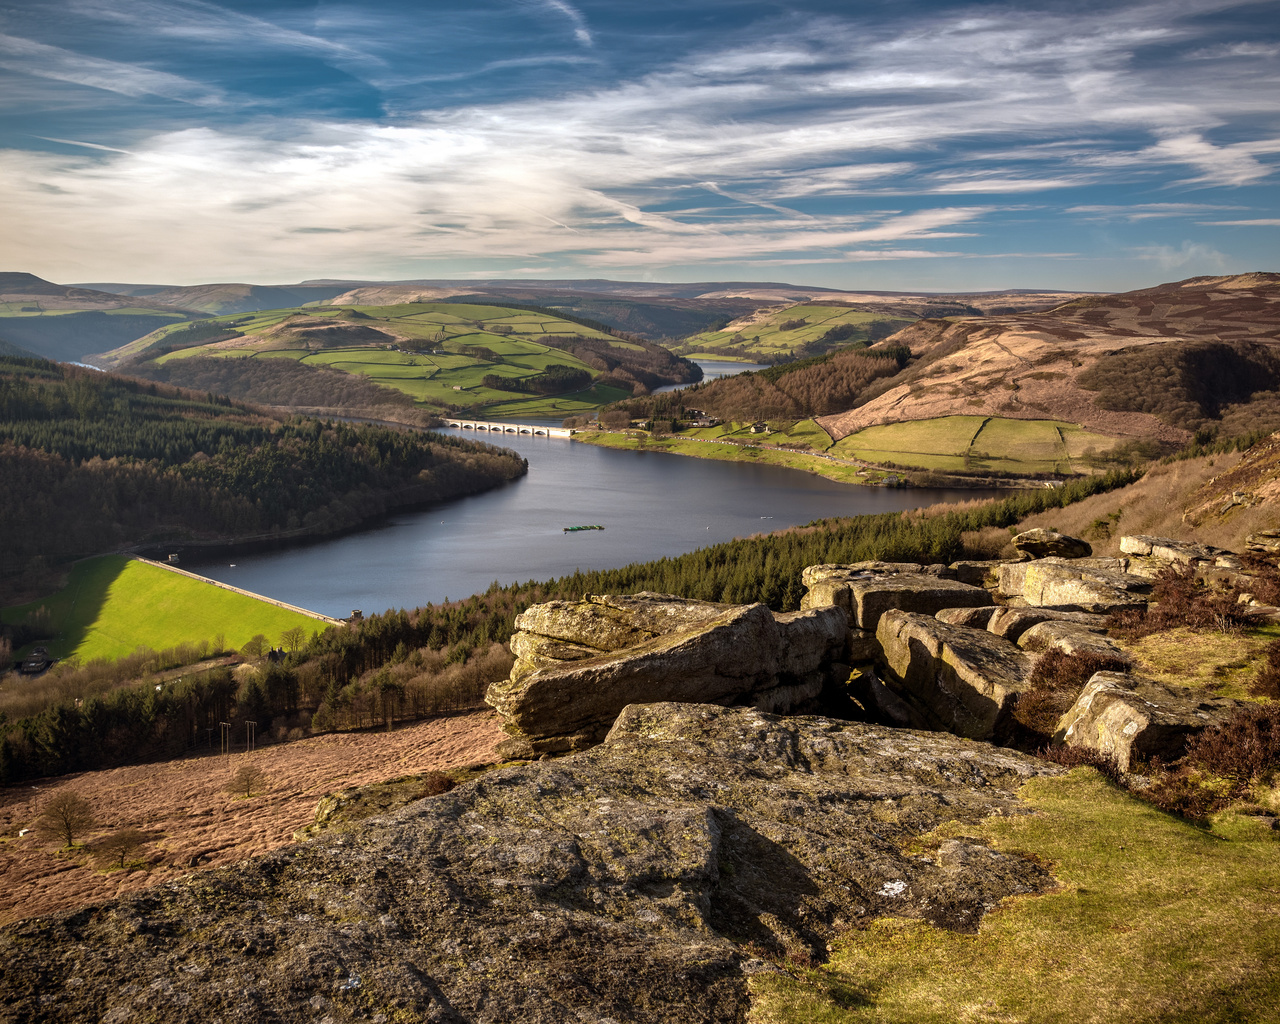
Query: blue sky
x=892, y=145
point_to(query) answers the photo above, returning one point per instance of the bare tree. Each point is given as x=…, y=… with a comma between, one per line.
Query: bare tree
x=247, y=778
x=114, y=848
x=292, y=638
x=255, y=646
x=65, y=816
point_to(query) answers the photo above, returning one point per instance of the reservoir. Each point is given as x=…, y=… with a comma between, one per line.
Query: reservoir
x=651, y=505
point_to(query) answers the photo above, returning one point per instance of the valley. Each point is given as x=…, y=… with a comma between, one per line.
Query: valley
x=1140, y=418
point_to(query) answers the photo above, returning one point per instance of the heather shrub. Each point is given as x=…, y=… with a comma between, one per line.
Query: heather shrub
x=1077, y=757
x=1182, y=600
x=1056, y=682
x=435, y=783
x=1221, y=765
x=1267, y=682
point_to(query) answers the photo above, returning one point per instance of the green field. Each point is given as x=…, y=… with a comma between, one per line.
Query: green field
x=114, y=604
x=766, y=336
x=977, y=444
x=805, y=432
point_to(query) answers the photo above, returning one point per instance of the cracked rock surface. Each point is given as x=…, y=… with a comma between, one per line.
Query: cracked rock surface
x=641, y=880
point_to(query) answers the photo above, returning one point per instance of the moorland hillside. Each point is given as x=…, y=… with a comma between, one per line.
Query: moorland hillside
x=1097, y=381
x=1158, y=363
x=221, y=299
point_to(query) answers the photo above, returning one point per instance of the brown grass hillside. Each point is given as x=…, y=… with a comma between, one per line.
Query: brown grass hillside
x=1216, y=499
x=1109, y=363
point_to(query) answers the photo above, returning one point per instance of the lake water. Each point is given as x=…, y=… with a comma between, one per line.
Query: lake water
x=714, y=369
x=651, y=504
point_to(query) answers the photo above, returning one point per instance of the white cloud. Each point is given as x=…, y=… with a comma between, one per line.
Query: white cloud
x=1189, y=254
x=581, y=31
x=769, y=137
x=1147, y=211
x=211, y=25
x=1264, y=222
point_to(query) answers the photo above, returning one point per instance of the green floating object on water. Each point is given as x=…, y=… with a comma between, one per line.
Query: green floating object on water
x=575, y=529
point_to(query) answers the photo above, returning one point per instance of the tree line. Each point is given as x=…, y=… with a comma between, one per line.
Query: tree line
x=1228, y=387
x=555, y=379
x=277, y=382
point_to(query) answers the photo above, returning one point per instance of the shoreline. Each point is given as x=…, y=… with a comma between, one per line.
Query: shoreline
x=854, y=472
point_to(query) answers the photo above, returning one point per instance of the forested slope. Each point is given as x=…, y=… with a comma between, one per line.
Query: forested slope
x=92, y=462
x=809, y=387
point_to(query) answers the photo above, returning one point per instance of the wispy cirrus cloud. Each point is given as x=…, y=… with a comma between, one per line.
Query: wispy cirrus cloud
x=28, y=57
x=211, y=24
x=1147, y=211
x=581, y=31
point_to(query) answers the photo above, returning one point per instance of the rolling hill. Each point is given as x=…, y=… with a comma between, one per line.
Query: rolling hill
x=777, y=334
x=67, y=323
x=489, y=359
x=219, y=299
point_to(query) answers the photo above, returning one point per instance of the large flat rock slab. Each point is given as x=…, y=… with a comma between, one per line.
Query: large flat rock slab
x=1059, y=583
x=1071, y=638
x=1041, y=543
x=967, y=679
x=1131, y=719
x=638, y=882
x=604, y=622
x=1011, y=623
x=866, y=595
x=597, y=656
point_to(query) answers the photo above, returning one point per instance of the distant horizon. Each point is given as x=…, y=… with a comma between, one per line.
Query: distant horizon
x=931, y=146
x=318, y=281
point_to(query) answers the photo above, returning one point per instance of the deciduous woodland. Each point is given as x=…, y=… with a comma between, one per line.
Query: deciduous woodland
x=93, y=462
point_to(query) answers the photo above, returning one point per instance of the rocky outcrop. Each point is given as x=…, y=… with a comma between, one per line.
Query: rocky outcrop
x=1041, y=543
x=1070, y=638
x=1135, y=719
x=634, y=882
x=966, y=680
x=866, y=594
x=977, y=572
x=579, y=663
x=1057, y=583
x=1168, y=550
x=1011, y=623
x=974, y=618
x=1265, y=542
